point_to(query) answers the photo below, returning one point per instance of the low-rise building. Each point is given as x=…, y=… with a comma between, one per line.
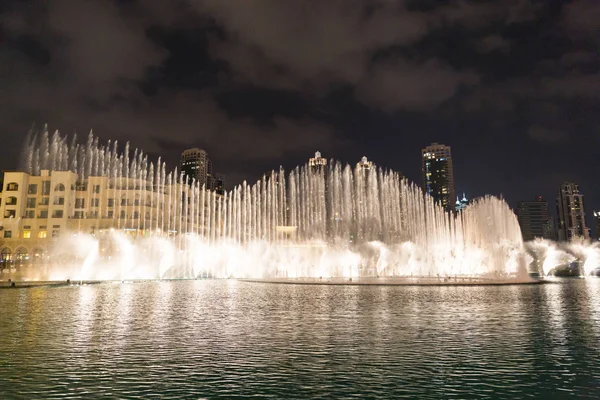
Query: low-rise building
x=37, y=210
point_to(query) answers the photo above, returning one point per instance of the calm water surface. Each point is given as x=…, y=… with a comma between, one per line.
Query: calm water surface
x=228, y=339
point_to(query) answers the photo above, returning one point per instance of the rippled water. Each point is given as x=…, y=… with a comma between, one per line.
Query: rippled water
x=209, y=339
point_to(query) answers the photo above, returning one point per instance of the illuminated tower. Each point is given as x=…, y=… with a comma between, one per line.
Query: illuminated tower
x=438, y=175
x=571, y=215
x=317, y=162
x=461, y=204
x=365, y=163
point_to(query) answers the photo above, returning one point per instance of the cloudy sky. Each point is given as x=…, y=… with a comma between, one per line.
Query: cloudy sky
x=513, y=86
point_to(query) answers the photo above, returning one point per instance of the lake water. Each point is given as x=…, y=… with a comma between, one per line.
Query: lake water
x=230, y=339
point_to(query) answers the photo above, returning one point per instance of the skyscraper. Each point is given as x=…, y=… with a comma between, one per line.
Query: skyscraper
x=535, y=220
x=597, y=218
x=438, y=175
x=571, y=215
x=219, y=184
x=195, y=164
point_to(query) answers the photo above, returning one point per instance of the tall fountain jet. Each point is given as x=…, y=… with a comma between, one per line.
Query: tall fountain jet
x=334, y=221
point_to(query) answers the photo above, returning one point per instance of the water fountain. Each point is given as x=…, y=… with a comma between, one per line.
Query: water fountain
x=316, y=223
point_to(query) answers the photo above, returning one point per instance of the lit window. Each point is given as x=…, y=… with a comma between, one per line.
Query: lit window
x=26, y=234
x=42, y=234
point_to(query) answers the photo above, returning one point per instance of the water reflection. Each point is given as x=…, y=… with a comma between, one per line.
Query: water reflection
x=227, y=338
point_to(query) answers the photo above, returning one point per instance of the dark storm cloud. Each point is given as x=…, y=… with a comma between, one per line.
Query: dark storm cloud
x=263, y=82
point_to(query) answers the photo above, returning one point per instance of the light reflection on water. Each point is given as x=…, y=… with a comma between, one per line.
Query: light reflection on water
x=227, y=338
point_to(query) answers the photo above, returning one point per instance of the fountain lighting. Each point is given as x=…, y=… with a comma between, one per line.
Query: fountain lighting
x=325, y=220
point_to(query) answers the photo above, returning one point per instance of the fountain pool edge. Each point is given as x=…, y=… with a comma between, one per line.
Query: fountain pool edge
x=398, y=282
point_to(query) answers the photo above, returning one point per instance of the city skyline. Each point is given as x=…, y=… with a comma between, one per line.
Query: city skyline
x=216, y=181
x=196, y=166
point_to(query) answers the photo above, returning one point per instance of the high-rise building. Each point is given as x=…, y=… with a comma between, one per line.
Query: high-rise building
x=195, y=164
x=535, y=220
x=219, y=184
x=597, y=218
x=571, y=214
x=438, y=175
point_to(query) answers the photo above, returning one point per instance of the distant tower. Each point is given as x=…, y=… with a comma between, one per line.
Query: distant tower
x=438, y=175
x=365, y=163
x=461, y=204
x=571, y=215
x=535, y=220
x=195, y=164
x=317, y=161
x=219, y=184
x=597, y=218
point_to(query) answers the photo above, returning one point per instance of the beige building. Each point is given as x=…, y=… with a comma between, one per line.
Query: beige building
x=36, y=211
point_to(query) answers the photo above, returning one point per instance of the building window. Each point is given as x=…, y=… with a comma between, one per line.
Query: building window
x=122, y=215
x=136, y=215
x=22, y=256
x=6, y=256
x=45, y=201
x=95, y=202
x=11, y=201
x=81, y=186
x=10, y=213
x=109, y=214
x=79, y=203
x=55, y=233
x=59, y=188
x=93, y=214
x=30, y=214
x=31, y=202
x=111, y=202
x=57, y=214
x=12, y=187
x=42, y=234
x=43, y=214
x=96, y=189
x=32, y=189
x=7, y=234
x=78, y=215
x=123, y=201
x=59, y=201
x=27, y=234
x=46, y=187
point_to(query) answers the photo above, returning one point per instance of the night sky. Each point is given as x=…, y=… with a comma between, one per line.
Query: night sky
x=512, y=86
